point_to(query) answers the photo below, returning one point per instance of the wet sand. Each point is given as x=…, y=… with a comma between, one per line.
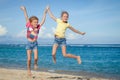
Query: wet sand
x=17, y=74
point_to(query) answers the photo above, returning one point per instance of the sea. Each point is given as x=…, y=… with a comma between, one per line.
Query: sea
x=100, y=59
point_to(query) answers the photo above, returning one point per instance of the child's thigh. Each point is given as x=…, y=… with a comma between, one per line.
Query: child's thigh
x=29, y=54
x=35, y=53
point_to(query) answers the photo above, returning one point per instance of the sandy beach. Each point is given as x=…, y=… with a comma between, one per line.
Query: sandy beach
x=15, y=74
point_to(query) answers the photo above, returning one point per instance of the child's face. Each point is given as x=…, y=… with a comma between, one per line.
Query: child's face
x=34, y=23
x=65, y=17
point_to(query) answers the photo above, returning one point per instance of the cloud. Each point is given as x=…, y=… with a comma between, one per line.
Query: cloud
x=71, y=36
x=45, y=34
x=3, y=30
x=53, y=29
x=21, y=34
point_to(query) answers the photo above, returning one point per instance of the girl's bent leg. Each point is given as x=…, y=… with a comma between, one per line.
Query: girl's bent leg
x=29, y=62
x=35, y=59
x=70, y=55
x=55, y=46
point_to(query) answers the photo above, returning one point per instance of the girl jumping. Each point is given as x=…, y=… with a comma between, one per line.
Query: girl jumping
x=33, y=28
x=60, y=40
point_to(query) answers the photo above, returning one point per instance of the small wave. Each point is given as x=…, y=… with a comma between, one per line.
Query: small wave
x=51, y=71
x=95, y=45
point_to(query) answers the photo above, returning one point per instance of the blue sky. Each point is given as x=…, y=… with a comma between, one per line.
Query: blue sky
x=100, y=19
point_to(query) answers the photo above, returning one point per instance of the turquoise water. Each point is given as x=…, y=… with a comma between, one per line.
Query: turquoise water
x=103, y=59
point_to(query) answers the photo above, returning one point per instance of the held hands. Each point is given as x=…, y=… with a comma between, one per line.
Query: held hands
x=46, y=9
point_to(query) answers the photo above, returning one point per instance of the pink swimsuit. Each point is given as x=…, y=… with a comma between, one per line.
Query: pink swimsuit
x=30, y=29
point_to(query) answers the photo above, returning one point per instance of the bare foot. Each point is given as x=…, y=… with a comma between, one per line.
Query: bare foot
x=35, y=67
x=54, y=59
x=79, y=60
x=29, y=73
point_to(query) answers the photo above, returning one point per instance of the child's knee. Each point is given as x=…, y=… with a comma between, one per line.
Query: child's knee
x=64, y=55
x=29, y=60
x=35, y=59
x=53, y=55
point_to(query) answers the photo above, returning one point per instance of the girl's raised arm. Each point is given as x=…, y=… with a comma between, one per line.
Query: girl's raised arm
x=44, y=17
x=25, y=13
x=76, y=31
x=51, y=15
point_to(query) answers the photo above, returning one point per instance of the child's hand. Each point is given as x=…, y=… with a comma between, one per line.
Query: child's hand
x=22, y=8
x=82, y=33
